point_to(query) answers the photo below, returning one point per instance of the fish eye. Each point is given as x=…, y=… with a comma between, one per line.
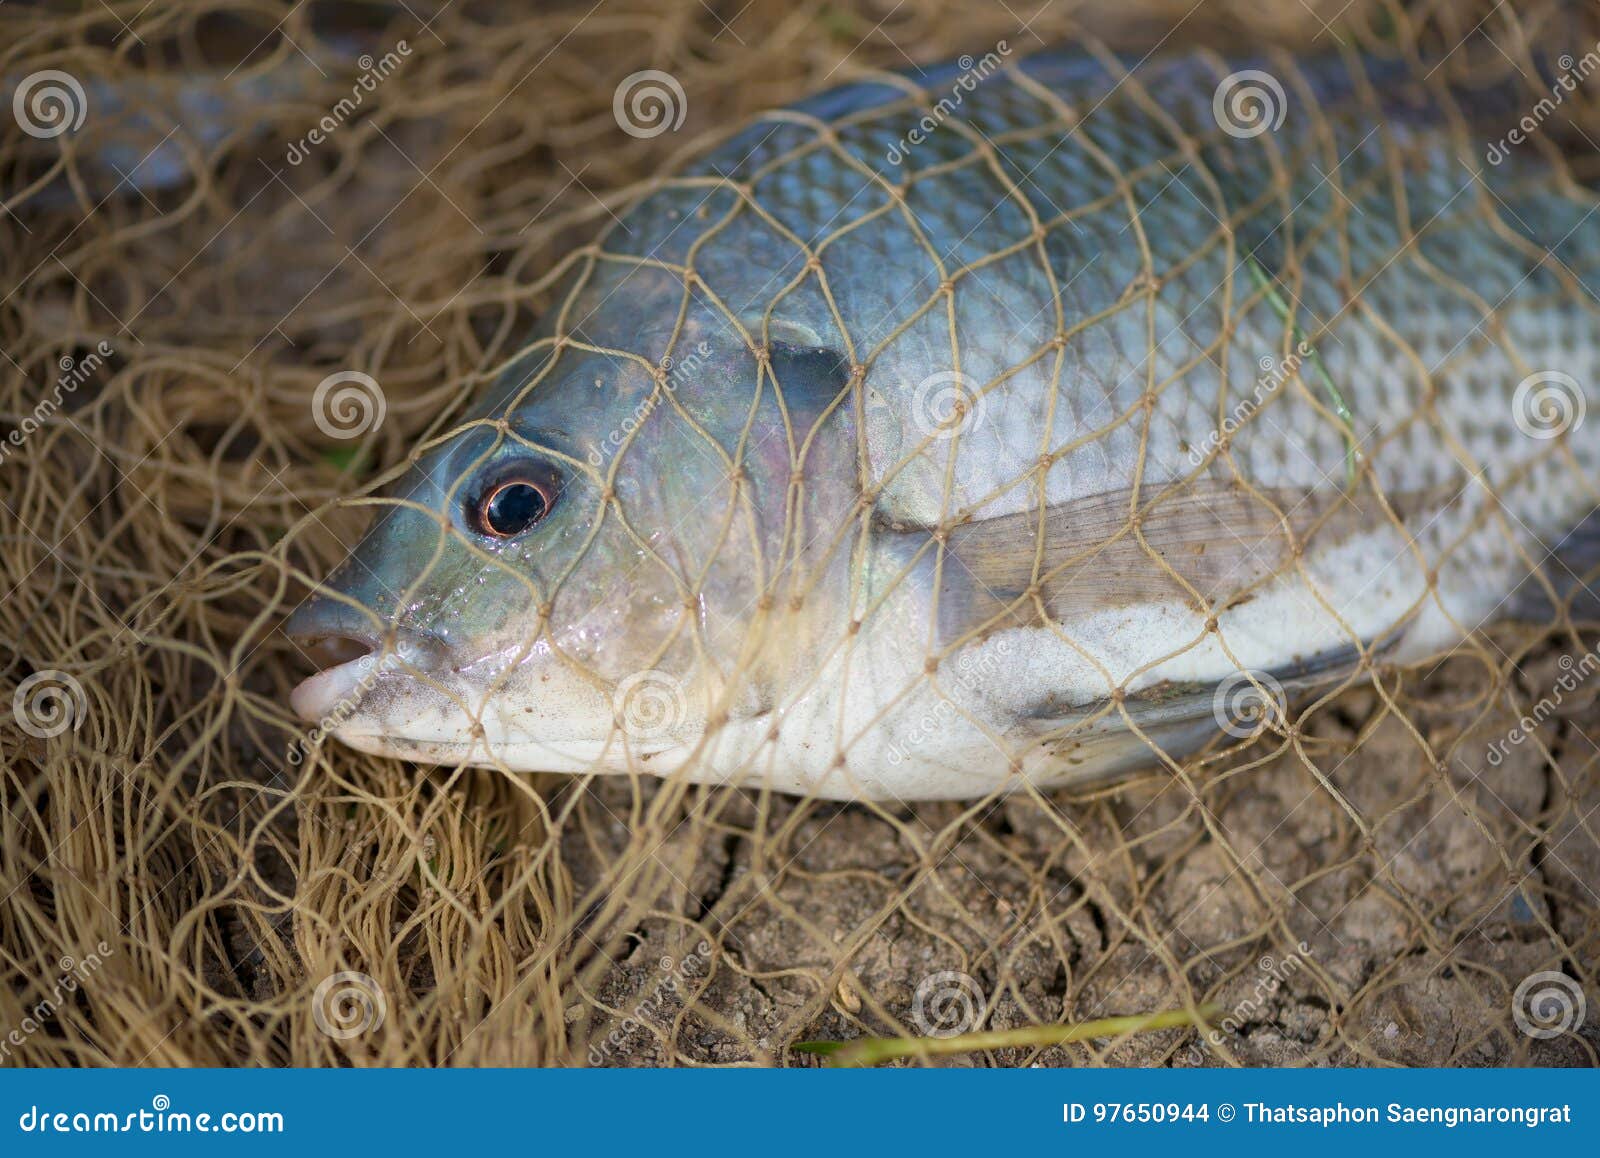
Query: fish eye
x=512, y=506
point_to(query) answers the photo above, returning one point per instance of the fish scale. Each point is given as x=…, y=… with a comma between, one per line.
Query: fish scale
x=810, y=203
x=949, y=441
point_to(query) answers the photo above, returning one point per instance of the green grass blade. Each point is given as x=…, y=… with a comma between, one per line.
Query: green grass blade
x=1335, y=396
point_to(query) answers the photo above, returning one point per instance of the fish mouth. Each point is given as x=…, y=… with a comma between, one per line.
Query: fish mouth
x=518, y=754
x=394, y=693
x=339, y=685
x=350, y=659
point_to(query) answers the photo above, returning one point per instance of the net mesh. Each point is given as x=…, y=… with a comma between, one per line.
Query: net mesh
x=189, y=880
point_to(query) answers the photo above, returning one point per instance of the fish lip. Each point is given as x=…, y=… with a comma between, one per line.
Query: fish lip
x=572, y=756
x=334, y=690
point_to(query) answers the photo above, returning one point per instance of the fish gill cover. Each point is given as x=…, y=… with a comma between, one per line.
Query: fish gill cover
x=799, y=523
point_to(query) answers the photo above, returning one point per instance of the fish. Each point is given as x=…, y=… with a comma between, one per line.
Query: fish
x=146, y=134
x=1022, y=422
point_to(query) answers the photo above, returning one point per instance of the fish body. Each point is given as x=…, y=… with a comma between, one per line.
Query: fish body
x=1031, y=423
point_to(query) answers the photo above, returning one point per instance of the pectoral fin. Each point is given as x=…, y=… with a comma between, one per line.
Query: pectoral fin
x=1208, y=545
x=1178, y=720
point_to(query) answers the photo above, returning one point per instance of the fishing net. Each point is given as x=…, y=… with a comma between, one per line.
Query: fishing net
x=221, y=219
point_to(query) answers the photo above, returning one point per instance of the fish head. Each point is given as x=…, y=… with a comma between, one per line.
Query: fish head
x=579, y=573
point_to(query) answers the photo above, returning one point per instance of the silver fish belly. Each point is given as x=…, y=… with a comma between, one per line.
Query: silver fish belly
x=1025, y=424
